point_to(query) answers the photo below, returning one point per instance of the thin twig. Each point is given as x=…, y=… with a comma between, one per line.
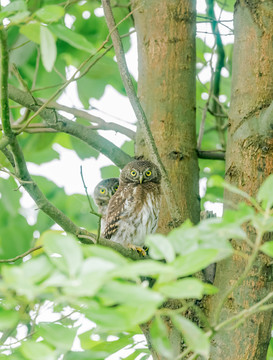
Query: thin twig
x=21, y=256
x=102, y=125
x=140, y=115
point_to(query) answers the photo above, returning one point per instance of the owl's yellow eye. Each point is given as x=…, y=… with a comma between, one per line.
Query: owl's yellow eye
x=102, y=191
x=148, y=173
x=133, y=173
x=116, y=187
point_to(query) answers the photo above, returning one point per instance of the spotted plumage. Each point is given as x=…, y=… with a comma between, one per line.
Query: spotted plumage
x=133, y=210
x=102, y=195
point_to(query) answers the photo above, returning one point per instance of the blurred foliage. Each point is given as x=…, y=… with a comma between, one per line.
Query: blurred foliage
x=69, y=281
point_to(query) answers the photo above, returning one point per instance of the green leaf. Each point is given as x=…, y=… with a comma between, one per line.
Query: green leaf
x=83, y=150
x=48, y=48
x=159, y=338
x=31, y=31
x=160, y=247
x=86, y=355
x=265, y=193
x=143, y=268
x=119, y=318
x=194, y=261
x=24, y=278
x=109, y=171
x=50, y=13
x=19, y=5
x=68, y=249
x=227, y=5
x=105, y=253
x=117, y=292
x=72, y=38
x=18, y=18
x=194, y=337
x=58, y=335
x=36, y=351
x=183, y=289
x=8, y=319
x=267, y=248
x=113, y=346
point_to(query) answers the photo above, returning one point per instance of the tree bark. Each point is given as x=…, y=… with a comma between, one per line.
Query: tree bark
x=249, y=160
x=166, y=89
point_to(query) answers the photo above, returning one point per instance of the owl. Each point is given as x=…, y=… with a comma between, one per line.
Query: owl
x=102, y=195
x=134, y=208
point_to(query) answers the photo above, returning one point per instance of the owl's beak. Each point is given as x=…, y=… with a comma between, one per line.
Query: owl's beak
x=140, y=178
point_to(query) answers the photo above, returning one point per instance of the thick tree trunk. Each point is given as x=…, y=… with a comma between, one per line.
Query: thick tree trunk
x=249, y=159
x=166, y=88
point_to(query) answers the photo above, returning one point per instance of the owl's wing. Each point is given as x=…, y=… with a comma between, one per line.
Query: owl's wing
x=116, y=209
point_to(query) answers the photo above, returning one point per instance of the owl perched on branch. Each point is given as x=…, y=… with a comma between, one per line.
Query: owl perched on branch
x=133, y=210
x=102, y=195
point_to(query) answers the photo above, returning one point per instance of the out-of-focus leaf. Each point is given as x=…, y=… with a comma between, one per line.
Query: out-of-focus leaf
x=19, y=5
x=48, y=48
x=72, y=38
x=8, y=319
x=267, y=248
x=36, y=351
x=31, y=31
x=50, y=13
x=142, y=268
x=160, y=339
x=109, y=171
x=57, y=335
x=106, y=254
x=19, y=17
x=194, y=261
x=183, y=289
x=83, y=150
x=68, y=256
x=265, y=193
x=160, y=247
x=194, y=337
x=117, y=292
x=86, y=355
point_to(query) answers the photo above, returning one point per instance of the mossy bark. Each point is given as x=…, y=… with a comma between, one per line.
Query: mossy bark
x=249, y=160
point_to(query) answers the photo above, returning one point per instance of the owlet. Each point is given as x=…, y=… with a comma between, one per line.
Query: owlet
x=133, y=210
x=102, y=195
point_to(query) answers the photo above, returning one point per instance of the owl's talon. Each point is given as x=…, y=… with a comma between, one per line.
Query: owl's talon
x=139, y=249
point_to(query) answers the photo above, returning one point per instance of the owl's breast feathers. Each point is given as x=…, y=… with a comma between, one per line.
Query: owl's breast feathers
x=133, y=213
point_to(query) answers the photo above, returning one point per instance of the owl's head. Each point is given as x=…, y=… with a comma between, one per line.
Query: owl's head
x=140, y=171
x=105, y=190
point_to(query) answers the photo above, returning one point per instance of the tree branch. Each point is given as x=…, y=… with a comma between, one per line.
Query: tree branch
x=61, y=123
x=102, y=125
x=213, y=154
x=21, y=256
x=140, y=115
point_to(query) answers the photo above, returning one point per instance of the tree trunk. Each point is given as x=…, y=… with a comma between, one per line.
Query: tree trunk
x=249, y=160
x=166, y=88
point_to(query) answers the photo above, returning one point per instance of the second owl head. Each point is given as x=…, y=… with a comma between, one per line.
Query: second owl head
x=140, y=171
